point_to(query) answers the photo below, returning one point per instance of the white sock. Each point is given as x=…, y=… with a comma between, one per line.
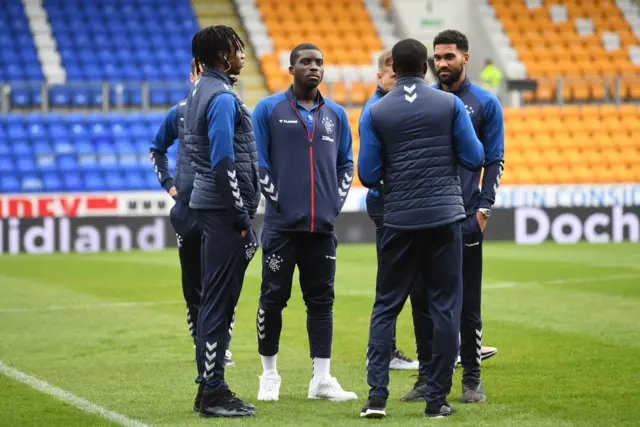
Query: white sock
x=269, y=363
x=321, y=367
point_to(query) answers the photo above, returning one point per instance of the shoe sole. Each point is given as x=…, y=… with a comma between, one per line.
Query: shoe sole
x=474, y=401
x=404, y=367
x=373, y=414
x=251, y=414
x=268, y=399
x=332, y=399
x=489, y=355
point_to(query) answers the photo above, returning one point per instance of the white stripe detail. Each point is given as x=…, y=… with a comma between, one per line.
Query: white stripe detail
x=265, y=181
x=69, y=398
x=233, y=181
x=232, y=174
x=209, y=367
x=212, y=347
x=211, y=356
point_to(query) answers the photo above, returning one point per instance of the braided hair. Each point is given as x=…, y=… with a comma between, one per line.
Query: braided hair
x=209, y=42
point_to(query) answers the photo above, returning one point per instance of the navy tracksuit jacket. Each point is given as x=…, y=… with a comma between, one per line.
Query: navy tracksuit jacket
x=411, y=143
x=222, y=149
x=306, y=171
x=182, y=217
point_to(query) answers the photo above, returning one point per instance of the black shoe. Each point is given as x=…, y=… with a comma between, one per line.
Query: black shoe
x=198, y=399
x=223, y=404
x=416, y=394
x=472, y=391
x=374, y=408
x=444, y=411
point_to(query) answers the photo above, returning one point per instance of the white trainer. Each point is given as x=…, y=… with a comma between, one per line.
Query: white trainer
x=228, y=362
x=400, y=362
x=329, y=388
x=269, y=386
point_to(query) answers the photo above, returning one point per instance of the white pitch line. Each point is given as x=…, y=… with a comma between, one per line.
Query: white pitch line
x=90, y=306
x=498, y=285
x=69, y=398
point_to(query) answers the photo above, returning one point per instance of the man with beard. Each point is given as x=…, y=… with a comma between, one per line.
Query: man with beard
x=306, y=170
x=451, y=54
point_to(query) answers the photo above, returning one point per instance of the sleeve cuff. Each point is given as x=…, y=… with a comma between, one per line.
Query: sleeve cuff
x=167, y=184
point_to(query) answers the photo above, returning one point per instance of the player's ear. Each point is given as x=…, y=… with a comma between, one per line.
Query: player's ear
x=291, y=69
x=466, y=58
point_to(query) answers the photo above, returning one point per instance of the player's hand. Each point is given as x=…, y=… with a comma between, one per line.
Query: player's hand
x=243, y=233
x=173, y=192
x=481, y=220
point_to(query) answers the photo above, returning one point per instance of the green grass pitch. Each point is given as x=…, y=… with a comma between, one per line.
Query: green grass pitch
x=566, y=320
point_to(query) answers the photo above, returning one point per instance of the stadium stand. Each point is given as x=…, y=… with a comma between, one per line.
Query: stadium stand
x=586, y=43
x=78, y=152
x=119, y=42
x=349, y=34
x=18, y=56
x=127, y=42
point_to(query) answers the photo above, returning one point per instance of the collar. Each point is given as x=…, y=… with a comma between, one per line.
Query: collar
x=219, y=74
x=410, y=81
x=464, y=86
x=292, y=97
x=380, y=92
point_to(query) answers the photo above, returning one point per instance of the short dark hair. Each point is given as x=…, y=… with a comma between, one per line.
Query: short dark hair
x=295, y=53
x=210, y=41
x=409, y=57
x=452, y=37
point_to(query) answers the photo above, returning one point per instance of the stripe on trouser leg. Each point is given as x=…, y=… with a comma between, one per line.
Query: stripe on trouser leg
x=478, y=346
x=260, y=324
x=210, y=362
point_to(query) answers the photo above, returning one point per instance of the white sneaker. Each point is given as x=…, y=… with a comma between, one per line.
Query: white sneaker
x=227, y=360
x=269, y=386
x=329, y=388
x=400, y=362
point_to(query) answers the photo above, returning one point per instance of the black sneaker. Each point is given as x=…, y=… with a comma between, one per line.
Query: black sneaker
x=472, y=391
x=444, y=411
x=416, y=394
x=198, y=399
x=374, y=408
x=223, y=404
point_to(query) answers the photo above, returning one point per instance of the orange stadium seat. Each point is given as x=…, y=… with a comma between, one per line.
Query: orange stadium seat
x=533, y=34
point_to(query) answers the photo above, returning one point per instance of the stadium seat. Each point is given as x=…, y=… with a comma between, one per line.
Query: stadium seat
x=9, y=183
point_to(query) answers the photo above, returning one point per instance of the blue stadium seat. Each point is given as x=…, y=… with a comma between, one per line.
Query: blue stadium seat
x=87, y=162
x=124, y=146
x=58, y=131
x=73, y=182
x=37, y=130
x=67, y=163
x=46, y=162
x=42, y=147
x=59, y=96
x=63, y=146
x=134, y=180
x=6, y=165
x=108, y=162
x=25, y=164
x=52, y=181
x=93, y=181
x=9, y=183
x=21, y=148
x=151, y=181
x=105, y=148
x=5, y=149
x=98, y=130
x=21, y=97
x=80, y=97
x=16, y=131
x=31, y=183
x=130, y=162
x=114, y=181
